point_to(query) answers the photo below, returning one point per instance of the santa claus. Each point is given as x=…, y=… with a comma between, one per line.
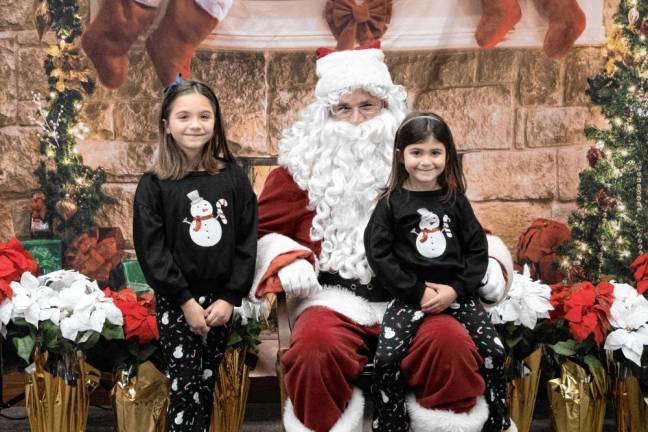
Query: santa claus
x=312, y=214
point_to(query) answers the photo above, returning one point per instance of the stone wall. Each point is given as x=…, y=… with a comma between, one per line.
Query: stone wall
x=517, y=116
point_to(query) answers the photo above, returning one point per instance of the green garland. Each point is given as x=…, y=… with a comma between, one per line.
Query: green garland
x=61, y=171
x=610, y=227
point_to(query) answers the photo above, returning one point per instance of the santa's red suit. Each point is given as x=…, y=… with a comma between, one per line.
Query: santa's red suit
x=313, y=210
x=332, y=336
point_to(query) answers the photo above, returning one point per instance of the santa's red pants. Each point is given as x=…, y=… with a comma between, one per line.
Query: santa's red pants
x=329, y=351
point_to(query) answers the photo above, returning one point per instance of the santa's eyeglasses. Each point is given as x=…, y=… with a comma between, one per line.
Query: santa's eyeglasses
x=366, y=110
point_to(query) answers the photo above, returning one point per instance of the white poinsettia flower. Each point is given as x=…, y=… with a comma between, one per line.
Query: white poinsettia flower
x=6, y=308
x=629, y=319
x=113, y=313
x=25, y=299
x=67, y=298
x=526, y=302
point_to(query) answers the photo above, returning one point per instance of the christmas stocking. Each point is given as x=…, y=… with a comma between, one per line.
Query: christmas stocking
x=107, y=39
x=185, y=24
x=498, y=17
x=566, y=23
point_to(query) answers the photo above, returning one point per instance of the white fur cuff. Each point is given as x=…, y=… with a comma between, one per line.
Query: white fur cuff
x=433, y=420
x=350, y=421
x=346, y=303
x=269, y=247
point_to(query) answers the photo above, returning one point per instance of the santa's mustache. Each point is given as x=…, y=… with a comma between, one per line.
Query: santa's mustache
x=381, y=127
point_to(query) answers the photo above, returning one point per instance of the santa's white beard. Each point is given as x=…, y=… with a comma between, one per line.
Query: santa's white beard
x=343, y=168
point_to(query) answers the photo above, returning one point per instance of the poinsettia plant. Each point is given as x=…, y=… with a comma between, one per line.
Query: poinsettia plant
x=640, y=269
x=14, y=261
x=518, y=316
x=61, y=312
x=140, y=327
x=626, y=343
x=579, y=323
x=244, y=329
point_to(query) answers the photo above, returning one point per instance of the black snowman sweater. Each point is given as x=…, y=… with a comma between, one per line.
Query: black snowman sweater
x=419, y=238
x=197, y=235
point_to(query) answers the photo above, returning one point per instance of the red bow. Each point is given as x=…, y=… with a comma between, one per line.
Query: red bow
x=199, y=220
x=365, y=22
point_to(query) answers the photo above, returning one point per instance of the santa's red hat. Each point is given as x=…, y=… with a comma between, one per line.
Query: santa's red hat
x=351, y=69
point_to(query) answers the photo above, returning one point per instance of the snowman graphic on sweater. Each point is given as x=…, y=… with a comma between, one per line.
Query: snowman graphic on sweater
x=204, y=229
x=431, y=237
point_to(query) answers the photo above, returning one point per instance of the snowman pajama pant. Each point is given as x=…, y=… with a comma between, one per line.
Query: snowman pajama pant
x=400, y=324
x=192, y=365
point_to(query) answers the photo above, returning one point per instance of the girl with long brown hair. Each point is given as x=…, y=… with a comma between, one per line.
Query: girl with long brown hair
x=195, y=234
x=427, y=248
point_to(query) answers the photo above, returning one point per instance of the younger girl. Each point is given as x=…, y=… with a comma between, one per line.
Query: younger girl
x=426, y=246
x=195, y=231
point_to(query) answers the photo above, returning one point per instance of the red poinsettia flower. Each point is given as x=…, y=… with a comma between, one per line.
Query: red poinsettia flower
x=586, y=307
x=14, y=261
x=640, y=268
x=139, y=314
x=559, y=293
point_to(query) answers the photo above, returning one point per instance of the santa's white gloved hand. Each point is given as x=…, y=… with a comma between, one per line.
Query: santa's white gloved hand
x=494, y=286
x=298, y=279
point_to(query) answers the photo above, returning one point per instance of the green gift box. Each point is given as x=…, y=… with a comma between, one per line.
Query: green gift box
x=134, y=277
x=46, y=252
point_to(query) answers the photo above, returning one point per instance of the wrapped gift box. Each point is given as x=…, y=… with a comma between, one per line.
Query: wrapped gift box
x=46, y=252
x=134, y=277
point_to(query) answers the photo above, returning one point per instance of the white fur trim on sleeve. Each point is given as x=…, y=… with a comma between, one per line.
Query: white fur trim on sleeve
x=350, y=421
x=216, y=8
x=346, y=303
x=435, y=420
x=269, y=247
x=498, y=250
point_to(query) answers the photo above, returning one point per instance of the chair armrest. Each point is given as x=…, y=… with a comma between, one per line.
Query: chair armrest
x=283, y=323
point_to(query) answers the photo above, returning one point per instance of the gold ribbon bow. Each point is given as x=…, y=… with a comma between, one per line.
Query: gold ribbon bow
x=365, y=22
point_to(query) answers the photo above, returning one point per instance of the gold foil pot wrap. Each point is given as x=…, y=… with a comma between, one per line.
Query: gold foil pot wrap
x=577, y=399
x=522, y=392
x=54, y=406
x=631, y=410
x=231, y=392
x=140, y=402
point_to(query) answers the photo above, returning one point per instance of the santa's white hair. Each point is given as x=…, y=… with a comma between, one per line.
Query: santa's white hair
x=343, y=167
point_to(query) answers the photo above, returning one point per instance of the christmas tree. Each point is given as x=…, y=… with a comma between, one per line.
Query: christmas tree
x=72, y=190
x=610, y=226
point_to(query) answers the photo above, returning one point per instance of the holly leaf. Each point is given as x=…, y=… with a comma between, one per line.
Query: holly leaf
x=24, y=346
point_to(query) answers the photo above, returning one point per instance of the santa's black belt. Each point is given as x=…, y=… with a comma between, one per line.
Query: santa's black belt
x=372, y=291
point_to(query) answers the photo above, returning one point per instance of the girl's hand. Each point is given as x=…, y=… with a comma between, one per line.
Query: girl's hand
x=428, y=295
x=195, y=316
x=218, y=313
x=445, y=296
